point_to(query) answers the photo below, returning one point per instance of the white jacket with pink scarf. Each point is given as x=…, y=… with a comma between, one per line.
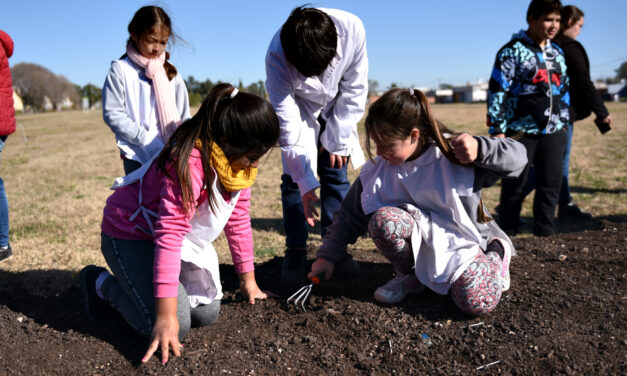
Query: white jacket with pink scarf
x=130, y=109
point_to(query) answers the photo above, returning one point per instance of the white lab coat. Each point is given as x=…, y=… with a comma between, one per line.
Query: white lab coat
x=339, y=97
x=445, y=239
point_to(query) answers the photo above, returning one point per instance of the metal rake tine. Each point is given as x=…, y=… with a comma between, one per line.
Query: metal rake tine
x=305, y=296
x=296, y=295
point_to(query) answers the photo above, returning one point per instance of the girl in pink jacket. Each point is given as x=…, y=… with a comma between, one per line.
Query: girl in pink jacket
x=158, y=225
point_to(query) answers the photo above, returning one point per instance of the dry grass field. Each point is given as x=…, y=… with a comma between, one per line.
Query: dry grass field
x=58, y=168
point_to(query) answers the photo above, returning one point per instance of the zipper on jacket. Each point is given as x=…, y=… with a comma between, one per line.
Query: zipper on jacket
x=548, y=73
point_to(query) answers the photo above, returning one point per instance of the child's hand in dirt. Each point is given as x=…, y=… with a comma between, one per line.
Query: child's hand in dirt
x=465, y=148
x=250, y=290
x=165, y=333
x=321, y=266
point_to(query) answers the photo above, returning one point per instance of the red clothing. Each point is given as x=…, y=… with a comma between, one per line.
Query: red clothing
x=162, y=195
x=7, y=112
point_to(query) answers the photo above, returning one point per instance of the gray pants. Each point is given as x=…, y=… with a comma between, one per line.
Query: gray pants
x=131, y=291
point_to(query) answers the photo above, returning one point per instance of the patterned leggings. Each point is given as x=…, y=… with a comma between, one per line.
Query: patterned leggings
x=477, y=291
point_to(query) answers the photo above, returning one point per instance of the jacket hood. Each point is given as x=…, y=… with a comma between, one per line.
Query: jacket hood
x=522, y=36
x=7, y=43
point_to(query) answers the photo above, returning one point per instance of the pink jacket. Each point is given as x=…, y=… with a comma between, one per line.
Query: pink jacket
x=7, y=112
x=163, y=196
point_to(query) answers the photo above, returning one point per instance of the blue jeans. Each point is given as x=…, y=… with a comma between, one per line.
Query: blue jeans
x=333, y=187
x=4, y=206
x=131, y=290
x=564, y=196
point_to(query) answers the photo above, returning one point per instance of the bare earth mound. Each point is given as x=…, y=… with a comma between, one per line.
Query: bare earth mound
x=565, y=314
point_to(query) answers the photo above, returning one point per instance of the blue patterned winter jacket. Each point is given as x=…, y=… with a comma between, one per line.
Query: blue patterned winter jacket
x=527, y=84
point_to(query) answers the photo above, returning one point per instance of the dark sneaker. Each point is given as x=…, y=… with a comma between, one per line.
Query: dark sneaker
x=346, y=268
x=294, y=267
x=97, y=309
x=5, y=252
x=570, y=209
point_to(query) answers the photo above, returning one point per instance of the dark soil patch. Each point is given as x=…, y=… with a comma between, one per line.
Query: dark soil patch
x=565, y=314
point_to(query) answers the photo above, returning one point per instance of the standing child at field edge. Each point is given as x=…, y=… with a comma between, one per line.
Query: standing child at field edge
x=317, y=69
x=420, y=201
x=144, y=98
x=159, y=224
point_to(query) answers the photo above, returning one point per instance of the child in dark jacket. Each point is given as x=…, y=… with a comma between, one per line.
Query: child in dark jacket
x=528, y=99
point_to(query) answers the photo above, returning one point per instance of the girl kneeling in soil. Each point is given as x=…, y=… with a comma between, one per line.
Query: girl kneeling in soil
x=420, y=201
x=159, y=223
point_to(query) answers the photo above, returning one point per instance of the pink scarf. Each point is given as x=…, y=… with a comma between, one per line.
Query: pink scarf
x=169, y=117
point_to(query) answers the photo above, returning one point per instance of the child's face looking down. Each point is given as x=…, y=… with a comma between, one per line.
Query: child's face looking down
x=397, y=151
x=249, y=160
x=152, y=44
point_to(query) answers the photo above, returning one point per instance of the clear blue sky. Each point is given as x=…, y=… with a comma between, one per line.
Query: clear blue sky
x=417, y=42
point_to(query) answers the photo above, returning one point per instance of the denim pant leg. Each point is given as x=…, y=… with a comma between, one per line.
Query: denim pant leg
x=294, y=221
x=131, y=291
x=565, y=197
x=4, y=206
x=333, y=188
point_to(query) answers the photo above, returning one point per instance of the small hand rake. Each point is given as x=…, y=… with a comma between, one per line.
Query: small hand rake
x=303, y=293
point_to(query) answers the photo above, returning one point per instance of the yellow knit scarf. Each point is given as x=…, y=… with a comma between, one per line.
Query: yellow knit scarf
x=231, y=181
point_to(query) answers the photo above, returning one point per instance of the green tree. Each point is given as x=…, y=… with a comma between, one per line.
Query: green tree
x=92, y=92
x=373, y=87
x=621, y=72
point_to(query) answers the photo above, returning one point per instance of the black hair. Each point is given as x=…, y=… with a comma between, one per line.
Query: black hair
x=240, y=125
x=539, y=7
x=309, y=40
x=145, y=21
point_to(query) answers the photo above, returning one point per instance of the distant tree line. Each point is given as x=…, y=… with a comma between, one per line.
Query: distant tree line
x=35, y=83
x=198, y=90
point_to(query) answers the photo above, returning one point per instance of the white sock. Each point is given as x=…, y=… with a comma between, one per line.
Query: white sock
x=99, y=281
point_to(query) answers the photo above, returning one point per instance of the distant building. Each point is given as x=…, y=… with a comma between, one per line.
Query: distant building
x=18, y=104
x=616, y=91
x=441, y=95
x=471, y=93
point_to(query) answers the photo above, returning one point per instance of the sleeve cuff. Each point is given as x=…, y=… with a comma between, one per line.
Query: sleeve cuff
x=163, y=290
x=244, y=267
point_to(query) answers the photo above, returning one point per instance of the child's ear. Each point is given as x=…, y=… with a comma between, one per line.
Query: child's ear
x=415, y=135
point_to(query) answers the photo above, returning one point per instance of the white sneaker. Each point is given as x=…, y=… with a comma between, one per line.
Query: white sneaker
x=507, y=256
x=397, y=288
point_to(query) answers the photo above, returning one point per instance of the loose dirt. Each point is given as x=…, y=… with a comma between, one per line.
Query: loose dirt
x=564, y=314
